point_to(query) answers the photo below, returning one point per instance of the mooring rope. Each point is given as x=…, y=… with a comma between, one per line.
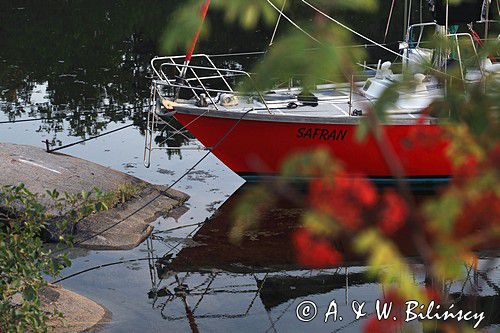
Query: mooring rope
x=179, y=131
x=28, y=120
x=172, y=248
x=65, y=116
x=87, y=139
x=163, y=192
x=114, y=263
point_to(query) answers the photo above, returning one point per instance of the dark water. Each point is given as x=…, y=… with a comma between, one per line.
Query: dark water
x=83, y=62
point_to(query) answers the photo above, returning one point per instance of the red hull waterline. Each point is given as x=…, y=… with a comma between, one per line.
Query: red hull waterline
x=259, y=147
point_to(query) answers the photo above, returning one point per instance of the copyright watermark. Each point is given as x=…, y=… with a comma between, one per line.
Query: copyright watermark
x=306, y=311
x=412, y=310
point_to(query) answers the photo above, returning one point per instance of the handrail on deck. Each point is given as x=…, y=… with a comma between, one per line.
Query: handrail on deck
x=170, y=61
x=455, y=37
x=459, y=52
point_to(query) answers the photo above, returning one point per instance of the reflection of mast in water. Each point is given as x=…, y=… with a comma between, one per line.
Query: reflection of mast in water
x=265, y=262
x=263, y=267
x=181, y=291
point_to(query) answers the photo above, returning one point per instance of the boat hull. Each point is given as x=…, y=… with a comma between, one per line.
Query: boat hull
x=253, y=148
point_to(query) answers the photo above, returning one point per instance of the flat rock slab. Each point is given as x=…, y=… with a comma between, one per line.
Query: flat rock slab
x=126, y=226
x=121, y=227
x=79, y=313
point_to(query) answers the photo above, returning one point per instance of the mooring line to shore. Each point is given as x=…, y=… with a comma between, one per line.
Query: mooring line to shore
x=172, y=248
x=120, y=262
x=114, y=263
x=161, y=193
x=49, y=150
x=63, y=117
x=47, y=144
x=179, y=227
x=27, y=120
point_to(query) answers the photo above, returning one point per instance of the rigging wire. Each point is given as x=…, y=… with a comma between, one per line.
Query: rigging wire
x=221, y=55
x=405, y=18
x=352, y=30
x=487, y=9
x=421, y=18
x=409, y=17
x=389, y=20
x=277, y=23
x=369, y=39
x=292, y=22
x=421, y=11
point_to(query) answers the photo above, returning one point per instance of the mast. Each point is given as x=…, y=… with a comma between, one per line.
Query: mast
x=204, y=11
x=405, y=19
x=190, y=51
x=486, y=26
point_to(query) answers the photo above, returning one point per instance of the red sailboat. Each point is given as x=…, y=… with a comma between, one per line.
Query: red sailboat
x=254, y=134
x=261, y=142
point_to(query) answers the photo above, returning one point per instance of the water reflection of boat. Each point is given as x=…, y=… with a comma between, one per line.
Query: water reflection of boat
x=264, y=250
x=279, y=289
x=270, y=247
x=254, y=134
x=259, y=284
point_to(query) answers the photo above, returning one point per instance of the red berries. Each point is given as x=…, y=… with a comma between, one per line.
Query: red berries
x=393, y=212
x=314, y=252
x=354, y=202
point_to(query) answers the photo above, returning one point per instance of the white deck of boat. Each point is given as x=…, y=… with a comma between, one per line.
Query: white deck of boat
x=332, y=107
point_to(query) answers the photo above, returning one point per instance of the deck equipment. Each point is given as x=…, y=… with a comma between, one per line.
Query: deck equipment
x=274, y=124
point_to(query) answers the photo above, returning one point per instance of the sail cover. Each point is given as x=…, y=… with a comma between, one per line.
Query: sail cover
x=464, y=12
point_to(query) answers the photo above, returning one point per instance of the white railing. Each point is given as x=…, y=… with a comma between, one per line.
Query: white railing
x=200, y=75
x=456, y=37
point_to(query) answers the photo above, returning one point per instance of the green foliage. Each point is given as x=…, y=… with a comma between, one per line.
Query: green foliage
x=470, y=112
x=248, y=13
x=313, y=163
x=246, y=215
x=24, y=260
x=320, y=224
x=386, y=263
x=460, y=218
x=178, y=36
x=122, y=194
x=185, y=22
x=326, y=62
x=365, y=5
x=386, y=101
